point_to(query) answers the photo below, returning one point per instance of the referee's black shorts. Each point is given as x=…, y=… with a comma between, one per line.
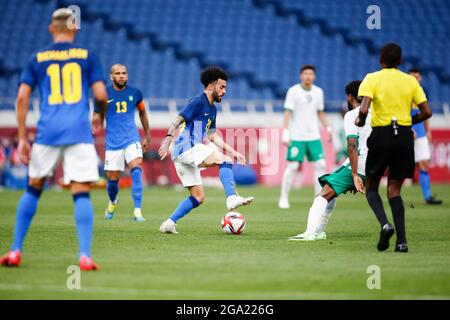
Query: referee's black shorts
x=390, y=151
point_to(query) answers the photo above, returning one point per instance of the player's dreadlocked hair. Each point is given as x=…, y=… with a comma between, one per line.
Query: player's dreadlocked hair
x=212, y=74
x=352, y=89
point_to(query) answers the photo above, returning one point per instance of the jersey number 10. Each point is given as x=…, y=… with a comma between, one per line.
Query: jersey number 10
x=71, y=83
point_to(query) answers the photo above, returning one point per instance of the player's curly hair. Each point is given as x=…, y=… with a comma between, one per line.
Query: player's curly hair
x=352, y=89
x=212, y=74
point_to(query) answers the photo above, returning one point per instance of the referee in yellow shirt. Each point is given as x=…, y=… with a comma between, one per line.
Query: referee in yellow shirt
x=391, y=94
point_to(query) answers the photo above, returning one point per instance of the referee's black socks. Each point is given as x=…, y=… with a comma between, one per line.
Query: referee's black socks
x=398, y=212
x=375, y=202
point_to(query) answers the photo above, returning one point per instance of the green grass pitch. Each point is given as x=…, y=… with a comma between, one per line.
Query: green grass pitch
x=203, y=263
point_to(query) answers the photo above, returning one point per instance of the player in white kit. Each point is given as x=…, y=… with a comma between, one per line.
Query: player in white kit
x=304, y=108
x=349, y=177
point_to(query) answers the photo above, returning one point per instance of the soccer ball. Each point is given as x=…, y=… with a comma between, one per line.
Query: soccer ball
x=233, y=223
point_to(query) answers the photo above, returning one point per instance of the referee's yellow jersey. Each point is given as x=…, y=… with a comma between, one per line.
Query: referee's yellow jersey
x=393, y=92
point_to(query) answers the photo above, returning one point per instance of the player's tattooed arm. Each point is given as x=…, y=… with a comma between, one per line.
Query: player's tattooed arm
x=164, y=149
x=363, y=112
x=145, y=125
x=23, y=98
x=101, y=102
x=352, y=150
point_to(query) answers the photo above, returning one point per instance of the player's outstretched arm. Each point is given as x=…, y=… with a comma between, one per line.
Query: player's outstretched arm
x=101, y=102
x=218, y=141
x=145, y=125
x=23, y=99
x=164, y=149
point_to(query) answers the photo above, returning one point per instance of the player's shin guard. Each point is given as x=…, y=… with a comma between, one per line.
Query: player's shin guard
x=112, y=187
x=25, y=212
x=424, y=179
x=84, y=218
x=323, y=222
x=227, y=178
x=136, y=187
x=315, y=213
x=184, y=207
x=398, y=212
x=319, y=170
x=375, y=202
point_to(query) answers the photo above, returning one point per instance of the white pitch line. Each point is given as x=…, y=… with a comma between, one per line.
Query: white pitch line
x=208, y=294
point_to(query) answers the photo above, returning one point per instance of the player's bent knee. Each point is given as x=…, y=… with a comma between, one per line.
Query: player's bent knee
x=293, y=166
x=135, y=163
x=214, y=159
x=320, y=164
x=36, y=183
x=113, y=175
x=79, y=187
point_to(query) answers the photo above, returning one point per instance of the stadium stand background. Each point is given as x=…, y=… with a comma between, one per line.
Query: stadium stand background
x=262, y=43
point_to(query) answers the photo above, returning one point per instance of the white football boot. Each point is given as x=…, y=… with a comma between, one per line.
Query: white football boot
x=168, y=226
x=236, y=201
x=309, y=237
x=283, y=203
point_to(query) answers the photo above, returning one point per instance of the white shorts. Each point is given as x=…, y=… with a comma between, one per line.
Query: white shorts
x=80, y=162
x=187, y=164
x=115, y=159
x=421, y=149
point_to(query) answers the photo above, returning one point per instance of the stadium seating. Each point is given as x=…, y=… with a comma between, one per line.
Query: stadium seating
x=262, y=43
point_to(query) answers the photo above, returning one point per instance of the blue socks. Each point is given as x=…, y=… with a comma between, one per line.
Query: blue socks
x=424, y=179
x=227, y=178
x=84, y=218
x=136, y=186
x=112, y=187
x=24, y=214
x=184, y=208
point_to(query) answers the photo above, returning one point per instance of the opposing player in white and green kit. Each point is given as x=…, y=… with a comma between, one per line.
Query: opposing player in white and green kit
x=304, y=107
x=349, y=177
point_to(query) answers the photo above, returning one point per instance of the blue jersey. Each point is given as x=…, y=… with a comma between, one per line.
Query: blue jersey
x=121, y=130
x=199, y=118
x=419, y=128
x=63, y=72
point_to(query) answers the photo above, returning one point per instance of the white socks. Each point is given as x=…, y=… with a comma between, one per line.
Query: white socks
x=319, y=214
x=326, y=216
x=315, y=214
x=288, y=177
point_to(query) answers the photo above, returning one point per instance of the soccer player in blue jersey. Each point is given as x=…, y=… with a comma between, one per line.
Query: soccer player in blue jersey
x=190, y=154
x=422, y=154
x=123, y=143
x=64, y=72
